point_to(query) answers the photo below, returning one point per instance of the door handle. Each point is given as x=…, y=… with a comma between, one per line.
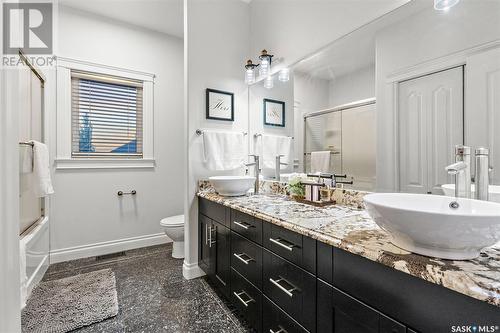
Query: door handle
x=243, y=225
x=288, y=291
x=238, y=296
x=279, y=242
x=280, y=330
x=240, y=257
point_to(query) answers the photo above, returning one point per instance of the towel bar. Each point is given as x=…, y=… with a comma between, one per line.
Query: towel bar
x=200, y=132
x=256, y=135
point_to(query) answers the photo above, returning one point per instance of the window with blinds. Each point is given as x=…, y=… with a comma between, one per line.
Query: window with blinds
x=106, y=116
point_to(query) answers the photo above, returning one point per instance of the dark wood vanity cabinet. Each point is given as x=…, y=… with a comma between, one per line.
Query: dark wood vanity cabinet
x=282, y=281
x=214, y=248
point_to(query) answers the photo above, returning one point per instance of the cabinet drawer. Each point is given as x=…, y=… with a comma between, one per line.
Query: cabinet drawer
x=215, y=211
x=247, y=299
x=275, y=320
x=290, y=287
x=246, y=258
x=290, y=245
x=247, y=226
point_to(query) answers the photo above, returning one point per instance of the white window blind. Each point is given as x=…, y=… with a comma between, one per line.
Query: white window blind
x=106, y=116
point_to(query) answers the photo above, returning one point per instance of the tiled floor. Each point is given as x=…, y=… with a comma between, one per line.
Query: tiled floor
x=153, y=296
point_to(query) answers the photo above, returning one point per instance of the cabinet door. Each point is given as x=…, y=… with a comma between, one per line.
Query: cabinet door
x=221, y=236
x=204, y=252
x=430, y=112
x=350, y=315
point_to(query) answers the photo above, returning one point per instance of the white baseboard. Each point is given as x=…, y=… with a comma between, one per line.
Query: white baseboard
x=191, y=271
x=98, y=249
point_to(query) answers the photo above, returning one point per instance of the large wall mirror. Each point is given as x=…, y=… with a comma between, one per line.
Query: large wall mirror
x=385, y=105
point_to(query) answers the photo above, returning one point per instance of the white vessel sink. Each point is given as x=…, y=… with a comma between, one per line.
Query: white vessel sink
x=232, y=186
x=494, y=191
x=426, y=224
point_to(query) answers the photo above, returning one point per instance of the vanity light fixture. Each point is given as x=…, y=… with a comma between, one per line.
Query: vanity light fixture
x=269, y=82
x=284, y=75
x=444, y=5
x=265, y=63
x=250, y=72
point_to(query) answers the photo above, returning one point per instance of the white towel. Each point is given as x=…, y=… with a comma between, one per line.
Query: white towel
x=272, y=146
x=320, y=161
x=41, y=183
x=25, y=159
x=224, y=150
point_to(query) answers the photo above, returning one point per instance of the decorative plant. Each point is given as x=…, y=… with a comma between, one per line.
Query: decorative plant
x=295, y=187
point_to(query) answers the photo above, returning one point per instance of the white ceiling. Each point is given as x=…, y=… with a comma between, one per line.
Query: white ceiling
x=355, y=51
x=164, y=16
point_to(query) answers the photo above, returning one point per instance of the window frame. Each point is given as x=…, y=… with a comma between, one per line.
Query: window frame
x=64, y=158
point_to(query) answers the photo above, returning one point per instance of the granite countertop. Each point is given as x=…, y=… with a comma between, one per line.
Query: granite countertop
x=353, y=230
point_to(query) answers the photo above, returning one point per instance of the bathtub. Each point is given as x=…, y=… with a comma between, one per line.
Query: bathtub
x=34, y=252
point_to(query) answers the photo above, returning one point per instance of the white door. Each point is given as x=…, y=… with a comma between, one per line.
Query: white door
x=482, y=114
x=430, y=125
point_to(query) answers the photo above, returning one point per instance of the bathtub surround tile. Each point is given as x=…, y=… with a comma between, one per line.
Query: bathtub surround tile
x=153, y=296
x=352, y=229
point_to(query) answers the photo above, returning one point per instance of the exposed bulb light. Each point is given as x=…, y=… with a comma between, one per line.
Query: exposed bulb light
x=250, y=72
x=444, y=5
x=284, y=75
x=269, y=82
x=265, y=63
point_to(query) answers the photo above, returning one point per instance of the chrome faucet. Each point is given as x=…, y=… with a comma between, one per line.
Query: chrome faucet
x=461, y=170
x=278, y=165
x=256, y=164
x=482, y=178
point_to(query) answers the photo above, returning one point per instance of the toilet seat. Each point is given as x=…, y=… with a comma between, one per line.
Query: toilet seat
x=173, y=221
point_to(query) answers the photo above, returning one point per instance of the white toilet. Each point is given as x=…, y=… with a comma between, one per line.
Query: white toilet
x=174, y=229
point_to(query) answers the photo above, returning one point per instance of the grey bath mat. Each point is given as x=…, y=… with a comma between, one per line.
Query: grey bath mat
x=63, y=305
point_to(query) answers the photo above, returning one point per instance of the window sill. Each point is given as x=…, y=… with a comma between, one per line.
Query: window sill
x=65, y=164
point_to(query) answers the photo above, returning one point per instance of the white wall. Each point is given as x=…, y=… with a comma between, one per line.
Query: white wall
x=293, y=29
x=86, y=209
x=217, y=36
x=10, y=299
x=353, y=87
x=282, y=91
x=423, y=37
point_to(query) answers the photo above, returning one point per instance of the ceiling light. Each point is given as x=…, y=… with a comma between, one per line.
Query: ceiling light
x=269, y=82
x=250, y=72
x=284, y=75
x=444, y=5
x=265, y=63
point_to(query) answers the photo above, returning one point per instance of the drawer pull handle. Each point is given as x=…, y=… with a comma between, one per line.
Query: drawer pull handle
x=288, y=291
x=241, y=255
x=210, y=240
x=281, y=242
x=238, y=296
x=244, y=225
x=280, y=330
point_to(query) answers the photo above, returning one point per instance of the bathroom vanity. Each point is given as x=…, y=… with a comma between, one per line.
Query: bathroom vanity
x=291, y=267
